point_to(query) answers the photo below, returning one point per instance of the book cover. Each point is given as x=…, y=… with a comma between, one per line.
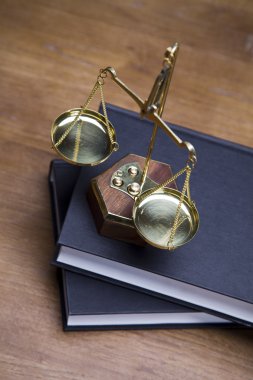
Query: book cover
x=89, y=303
x=214, y=271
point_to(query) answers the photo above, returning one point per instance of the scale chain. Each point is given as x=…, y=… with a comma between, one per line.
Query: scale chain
x=165, y=183
x=99, y=83
x=77, y=142
x=177, y=221
x=105, y=111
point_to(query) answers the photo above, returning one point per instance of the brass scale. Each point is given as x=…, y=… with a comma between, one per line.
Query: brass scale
x=164, y=217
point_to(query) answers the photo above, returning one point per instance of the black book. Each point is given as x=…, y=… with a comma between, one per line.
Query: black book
x=214, y=271
x=89, y=303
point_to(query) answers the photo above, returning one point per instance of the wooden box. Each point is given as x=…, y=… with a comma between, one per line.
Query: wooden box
x=112, y=207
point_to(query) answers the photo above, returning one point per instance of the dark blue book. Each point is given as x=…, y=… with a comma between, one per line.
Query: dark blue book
x=89, y=303
x=214, y=271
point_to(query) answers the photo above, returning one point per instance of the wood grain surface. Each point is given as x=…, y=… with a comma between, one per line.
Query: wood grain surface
x=50, y=52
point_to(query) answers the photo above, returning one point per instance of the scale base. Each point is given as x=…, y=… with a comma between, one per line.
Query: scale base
x=112, y=205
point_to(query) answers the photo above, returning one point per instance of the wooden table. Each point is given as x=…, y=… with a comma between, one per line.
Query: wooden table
x=51, y=51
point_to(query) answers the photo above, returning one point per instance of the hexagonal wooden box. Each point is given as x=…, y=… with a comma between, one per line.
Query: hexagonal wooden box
x=112, y=208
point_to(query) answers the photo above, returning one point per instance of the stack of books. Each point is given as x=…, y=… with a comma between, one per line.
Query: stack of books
x=109, y=284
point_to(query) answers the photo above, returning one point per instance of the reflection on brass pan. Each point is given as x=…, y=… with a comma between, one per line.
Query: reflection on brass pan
x=154, y=216
x=82, y=137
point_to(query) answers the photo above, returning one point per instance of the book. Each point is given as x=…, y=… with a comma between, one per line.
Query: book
x=214, y=271
x=89, y=303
